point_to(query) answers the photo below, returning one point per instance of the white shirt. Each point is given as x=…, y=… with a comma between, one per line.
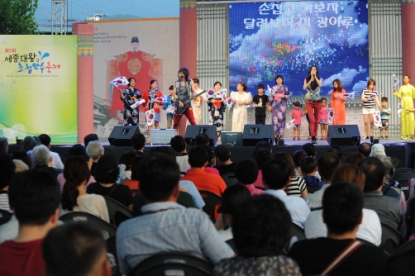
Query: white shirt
x=93, y=204
x=297, y=207
x=183, y=161
x=9, y=230
x=56, y=160
x=369, y=230
x=315, y=200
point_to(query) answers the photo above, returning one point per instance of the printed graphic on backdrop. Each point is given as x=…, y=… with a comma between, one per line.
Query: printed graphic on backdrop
x=38, y=87
x=286, y=38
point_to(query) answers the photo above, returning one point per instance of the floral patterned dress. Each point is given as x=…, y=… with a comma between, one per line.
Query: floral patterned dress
x=279, y=108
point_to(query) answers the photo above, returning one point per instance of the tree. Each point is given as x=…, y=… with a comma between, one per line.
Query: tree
x=18, y=16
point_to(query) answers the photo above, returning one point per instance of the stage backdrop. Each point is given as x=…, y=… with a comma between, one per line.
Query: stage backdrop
x=286, y=38
x=157, y=57
x=38, y=87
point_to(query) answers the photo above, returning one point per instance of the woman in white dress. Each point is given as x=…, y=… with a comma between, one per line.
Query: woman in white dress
x=198, y=102
x=241, y=100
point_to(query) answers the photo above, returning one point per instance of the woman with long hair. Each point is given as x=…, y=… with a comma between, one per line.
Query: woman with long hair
x=337, y=103
x=216, y=107
x=277, y=104
x=406, y=94
x=198, y=101
x=241, y=99
x=312, y=84
x=370, y=100
x=129, y=96
x=151, y=102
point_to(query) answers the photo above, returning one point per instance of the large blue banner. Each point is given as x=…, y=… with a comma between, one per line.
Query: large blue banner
x=286, y=38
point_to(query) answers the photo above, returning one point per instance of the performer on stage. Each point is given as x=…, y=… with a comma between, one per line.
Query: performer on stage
x=151, y=103
x=312, y=84
x=337, y=103
x=260, y=103
x=130, y=96
x=407, y=94
x=216, y=108
x=278, y=106
x=168, y=106
x=323, y=119
x=182, y=94
x=241, y=100
x=198, y=102
x=370, y=100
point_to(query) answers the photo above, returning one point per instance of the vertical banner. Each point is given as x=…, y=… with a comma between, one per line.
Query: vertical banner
x=38, y=86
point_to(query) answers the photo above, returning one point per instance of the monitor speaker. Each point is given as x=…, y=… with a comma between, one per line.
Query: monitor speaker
x=193, y=130
x=344, y=135
x=255, y=133
x=121, y=135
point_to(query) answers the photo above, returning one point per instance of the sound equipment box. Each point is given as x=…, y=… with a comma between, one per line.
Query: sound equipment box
x=344, y=135
x=193, y=130
x=121, y=135
x=255, y=133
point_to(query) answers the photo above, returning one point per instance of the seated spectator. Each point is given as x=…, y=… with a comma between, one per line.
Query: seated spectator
x=35, y=196
x=177, y=229
x=342, y=213
x=29, y=142
x=212, y=161
x=20, y=165
x=179, y=145
x=139, y=143
x=21, y=155
x=202, y=139
x=133, y=183
x=297, y=185
x=90, y=137
x=4, y=145
x=106, y=174
x=246, y=172
x=56, y=159
x=41, y=160
x=260, y=248
x=326, y=164
x=125, y=164
x=364, y=148
x=262, y=145
x=223, y=155
x=276, y=177
x=198, y=160
x=94, y=151
x=81, y=246
x=310, y=149
x=388, y=208
x=298, y=155
x=369, y=230
x=354, y=159
x=7, y=170
x=74, y=197
x=261, y=157
x=308, y=168
x=336, y=150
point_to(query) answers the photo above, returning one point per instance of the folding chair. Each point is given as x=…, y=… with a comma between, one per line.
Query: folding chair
x=114, y=207
x=212, y=203
x=391, y=239
x=5, y=216
x=107, y=228
x=230, y=179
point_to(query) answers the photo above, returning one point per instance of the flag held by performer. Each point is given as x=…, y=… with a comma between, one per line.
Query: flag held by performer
x=120, y=81
x=395, y=80
x=377, y=119
x=137, y=103
x=211, y=94
x=349, y=95
x=290, y=124
x=331, y=115
x=150, y=117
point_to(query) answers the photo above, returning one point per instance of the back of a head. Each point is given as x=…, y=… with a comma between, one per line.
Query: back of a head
x=106, y=170
x=246, y=171
x=76, y=172
x=377, y=150
x=159, y=175
x=29, y=143
x=308, y=165
x=138, y=140
x=77, y=151
x=7, y=170
x=178, y=143
x=327, y=164
x=261, y=157
x=276, y=174
x=34, y=197
x=165, y=150
x=198, y=156
x=336, y=150
x=262, y=145
x=223, y=153
x=234, y=198
x=287, y=158
x=22, y=155
x=127, y=158
x=310, y=149
x=298, y=155
x=349, y=173
x=40, y=155
x=364, y=148
x=80, y=245
x=90, y=137
x=4, y=145
x=202, y=139
x=94, y=149
x=374, y=170
x=251, y=238
x=44, y=139
x=354, y=158
x=342, y=207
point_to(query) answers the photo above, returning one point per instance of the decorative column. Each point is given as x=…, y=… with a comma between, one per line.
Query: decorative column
x=85, y=34
x=188, y=44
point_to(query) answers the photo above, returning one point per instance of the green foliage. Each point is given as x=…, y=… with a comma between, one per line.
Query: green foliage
x=18, y=16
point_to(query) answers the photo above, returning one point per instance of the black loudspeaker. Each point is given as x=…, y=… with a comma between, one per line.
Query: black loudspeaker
x=344, y=135
x=121, y=135
x=193, y=130
x=255, y=133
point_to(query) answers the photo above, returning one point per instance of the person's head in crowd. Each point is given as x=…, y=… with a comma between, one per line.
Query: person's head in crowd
x=308, y=166
x=127, y=159
x=81, y=246
x=342, y=208
x=349, y=173
x=261, y=157
x=90, y=137
x=222, y=153
x=94, y=150
x=298, y=155
x=41, y=155
x=4, y=145
x=377, y=150
x=159, y=177
x=336, y=150
x=354, y=158
x=178, y=144
x=374, y=171
x=202, y=139
x=7, y=170
x=22, y=155
x=287, y=158
x=76, y=173
x=77, y=151
x=45, y=139
x=251, y=238
x=364, y=148
x=233, y=199
x=20, y=166
x=106, y=170
x=139, y=141
x=310, y=149
x=276, y=174
x=29, y=142
x=327, y=164
x=262, y=145
x=198, y=157
x=246, y=171
x=165, y=150
x=211, y=153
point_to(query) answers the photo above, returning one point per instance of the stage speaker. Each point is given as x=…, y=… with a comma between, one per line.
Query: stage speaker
x=231, y=138
x=121, y=135
x=344, y=135
x=255, y=133
x=193, y=130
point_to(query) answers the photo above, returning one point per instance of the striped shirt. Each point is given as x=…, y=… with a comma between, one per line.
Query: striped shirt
x=370, y=95
x=296, y=187
x=4, y=201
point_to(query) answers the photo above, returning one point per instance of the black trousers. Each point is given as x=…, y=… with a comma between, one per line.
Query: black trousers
x=260, y=120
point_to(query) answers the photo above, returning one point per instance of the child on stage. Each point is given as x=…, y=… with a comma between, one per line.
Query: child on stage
x=384, y=116
x=168, y=106
x=296, y=114
x=324, y=118
x=260, y=103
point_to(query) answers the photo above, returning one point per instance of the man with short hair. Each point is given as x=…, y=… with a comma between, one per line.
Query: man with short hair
x=75, y=249
x=4, y=145
x=364, y=148
x=336, y=150
x=94, y=151
x=202, y=139
x=56, y=159
x=326, y=164
x=340, y=253
x=276, y=176
x=90, y=137
x=41, y=159
x=165, y=225
x=223, y=154
x=139, y=143
x=36, y=198
x=310, y=149
x=179, y=145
